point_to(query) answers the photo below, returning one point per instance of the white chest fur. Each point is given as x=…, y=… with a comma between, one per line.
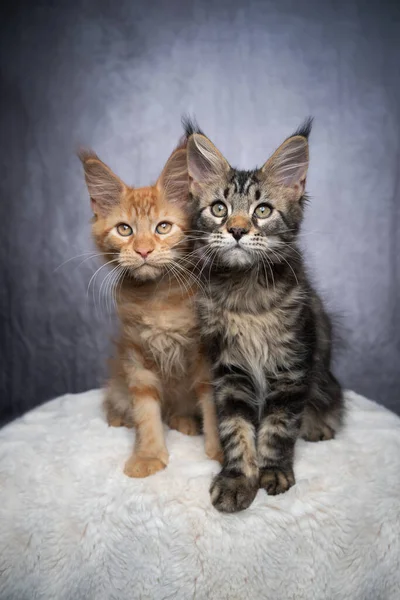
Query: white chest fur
x=169, y=337
x=255, y=342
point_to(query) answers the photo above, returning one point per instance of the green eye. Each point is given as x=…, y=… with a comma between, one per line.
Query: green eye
x=219, y=209
x=262, y=211
x=124, y=229
x=164, y=227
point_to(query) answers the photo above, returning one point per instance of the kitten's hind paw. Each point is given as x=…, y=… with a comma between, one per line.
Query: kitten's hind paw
x=116, y=421
x=318, y=433
x=276, y=481
x=231, y=494
x=315, y=430
x=186, y=425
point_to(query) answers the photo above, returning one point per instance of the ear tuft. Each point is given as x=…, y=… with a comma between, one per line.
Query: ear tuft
x=190, y=126
x=174, y=179
x=105, y=188
x=305, y=128
x=205, y=161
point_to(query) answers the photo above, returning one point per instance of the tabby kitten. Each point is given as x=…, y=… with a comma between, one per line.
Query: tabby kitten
x=159, y=372
x=265, y=329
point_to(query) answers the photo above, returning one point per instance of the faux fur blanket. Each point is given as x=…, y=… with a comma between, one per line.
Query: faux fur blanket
x=73, y=526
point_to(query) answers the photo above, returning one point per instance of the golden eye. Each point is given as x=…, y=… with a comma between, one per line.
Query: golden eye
x=219, y=209
x=124, y=229
x=164, y=227
x=262, y=211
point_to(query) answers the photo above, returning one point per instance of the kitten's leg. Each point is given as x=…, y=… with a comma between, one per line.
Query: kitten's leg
x=204, y=394
x=150, y=453
x=323, y=414
x=236, y=486
x=277, y=436
x=212, y=442
x=117, y=404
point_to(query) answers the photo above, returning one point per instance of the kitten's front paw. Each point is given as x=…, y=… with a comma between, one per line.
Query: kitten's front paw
x=143, y=466
x=232, y=494
x=276, y=481
x=186, y=425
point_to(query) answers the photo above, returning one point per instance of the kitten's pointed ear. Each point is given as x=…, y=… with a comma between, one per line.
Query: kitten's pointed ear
x=105, y=188
x=174, y=179
x=205, y=161
x=289, y=164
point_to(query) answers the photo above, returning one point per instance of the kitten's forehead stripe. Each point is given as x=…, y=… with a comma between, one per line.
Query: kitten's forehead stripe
x=242, y=181
x=248, y=185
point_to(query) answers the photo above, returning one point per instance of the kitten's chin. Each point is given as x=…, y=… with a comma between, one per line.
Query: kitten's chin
x=146, y=272
x=236, y=257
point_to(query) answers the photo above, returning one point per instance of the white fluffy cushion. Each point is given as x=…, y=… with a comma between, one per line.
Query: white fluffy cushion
x=72, y=526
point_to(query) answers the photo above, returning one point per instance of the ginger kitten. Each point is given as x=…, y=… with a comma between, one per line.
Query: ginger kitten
x=159, y=373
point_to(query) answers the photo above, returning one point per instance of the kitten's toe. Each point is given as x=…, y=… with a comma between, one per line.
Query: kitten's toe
x=117, y=421
x=276, y=481
x=116, y=418
x=318, y=425
x=232, y=494
x=186, y=425
x=318, y=433
x=143, y=466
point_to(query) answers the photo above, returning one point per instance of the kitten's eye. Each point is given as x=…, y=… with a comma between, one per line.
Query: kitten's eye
x=124, y=229
x=164, y=227
x=219, y=209
x=262, y=211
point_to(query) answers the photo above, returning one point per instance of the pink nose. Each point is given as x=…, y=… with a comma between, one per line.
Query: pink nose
x=144, y=252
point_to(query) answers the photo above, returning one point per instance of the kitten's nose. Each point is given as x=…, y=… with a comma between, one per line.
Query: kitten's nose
x=144, y=252
x=238, y=232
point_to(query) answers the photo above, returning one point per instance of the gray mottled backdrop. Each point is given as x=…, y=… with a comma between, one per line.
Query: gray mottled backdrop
x=118, y=76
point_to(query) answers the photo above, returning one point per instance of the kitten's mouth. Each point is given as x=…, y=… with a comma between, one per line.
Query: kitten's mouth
x=237, y=247
x=148, y=266
x=235, y=255
x=146, y=271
